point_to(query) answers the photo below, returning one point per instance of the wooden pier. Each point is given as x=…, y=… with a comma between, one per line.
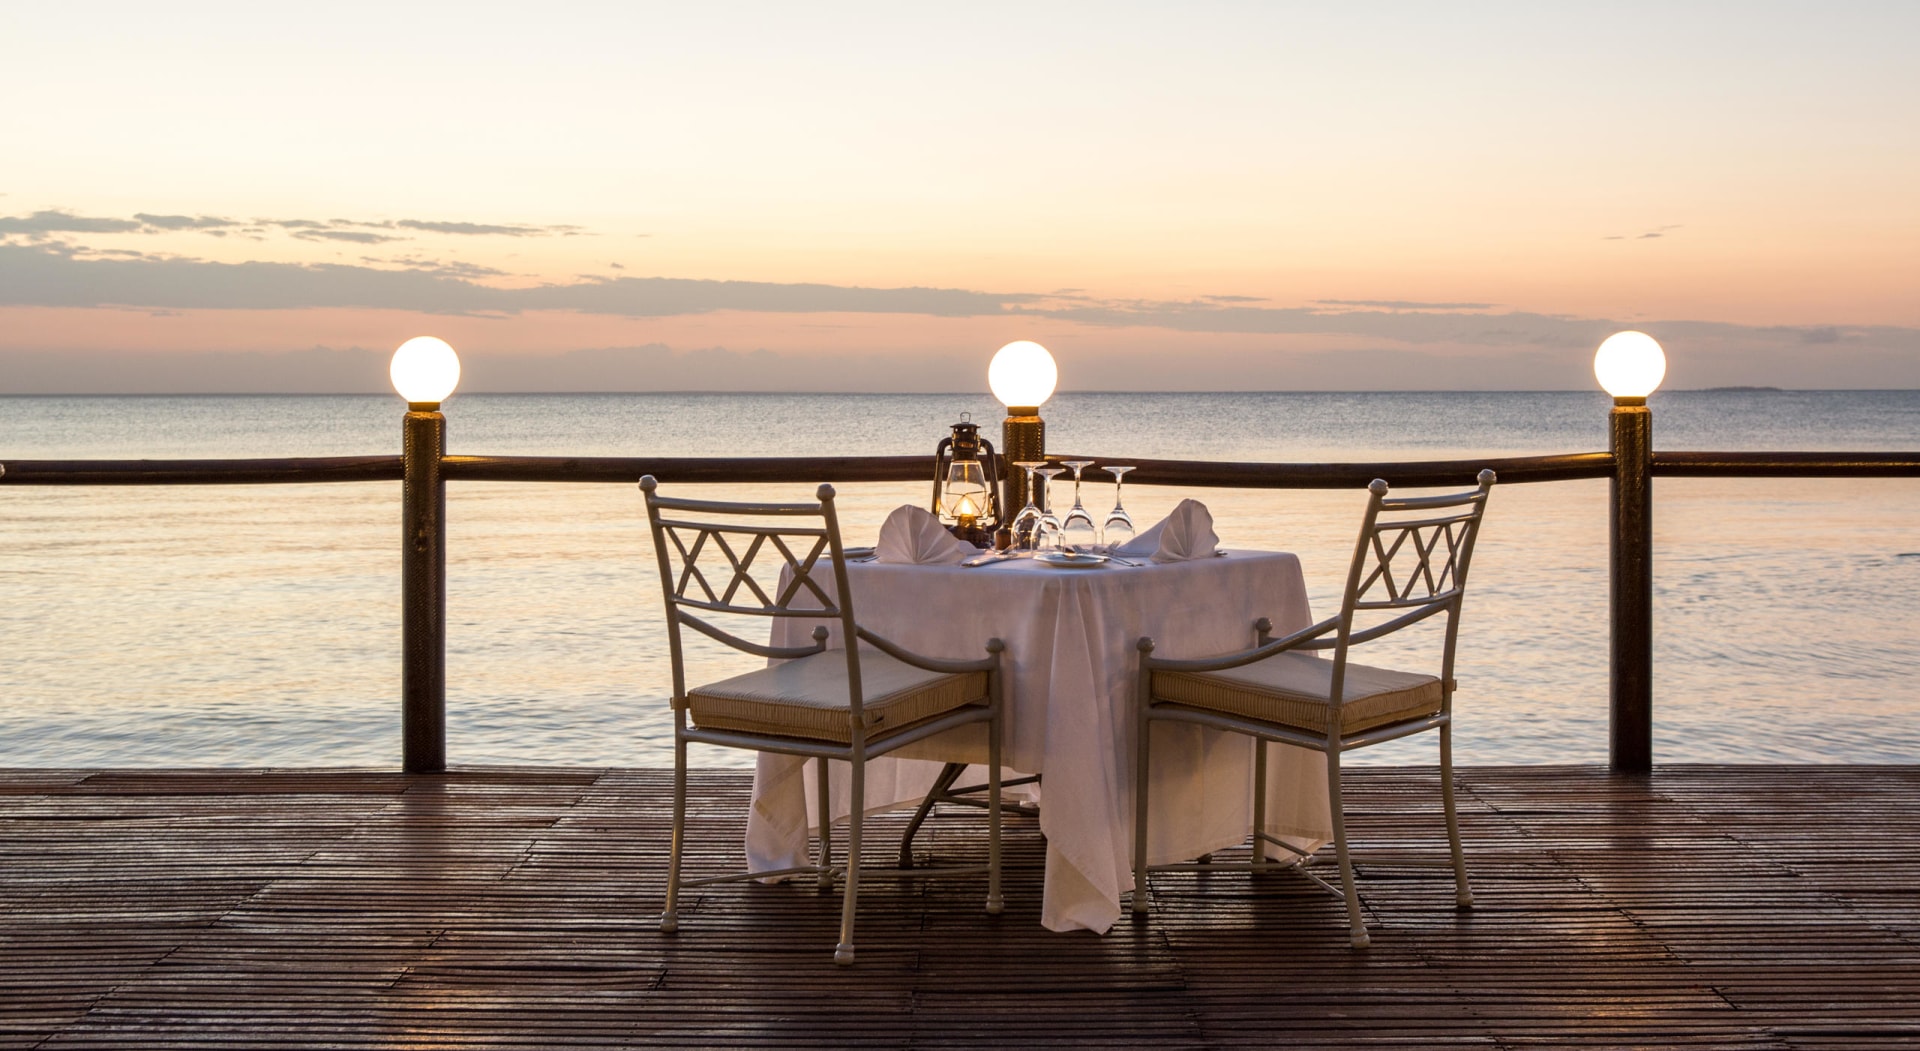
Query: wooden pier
x=1769, y=907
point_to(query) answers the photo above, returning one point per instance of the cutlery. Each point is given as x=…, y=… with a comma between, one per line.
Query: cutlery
x=987, y=560
x=1130, y=562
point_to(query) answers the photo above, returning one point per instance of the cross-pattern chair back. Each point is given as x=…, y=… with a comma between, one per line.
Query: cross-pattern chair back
x=724, y=565
x=1410, y=563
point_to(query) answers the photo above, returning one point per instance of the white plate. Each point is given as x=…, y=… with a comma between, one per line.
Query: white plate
x=1062, y=560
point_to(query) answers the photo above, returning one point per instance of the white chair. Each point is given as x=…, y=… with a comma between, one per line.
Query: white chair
x=848, y=704
x=1410, y=564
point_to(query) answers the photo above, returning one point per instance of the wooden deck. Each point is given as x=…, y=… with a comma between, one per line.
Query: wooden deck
x=1773, y=907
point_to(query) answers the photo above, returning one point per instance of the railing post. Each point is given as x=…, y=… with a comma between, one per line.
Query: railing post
x=423, y=587
x=1631, y=599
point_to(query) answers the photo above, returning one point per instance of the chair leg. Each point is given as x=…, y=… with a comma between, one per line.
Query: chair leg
x=1259, y=803
x=670, y=916
x=1357, y=925
x=1462, y=893
x=995, y=904
x=843, y=953
x=948, y=775
x=1142, y=726
x=823, y=882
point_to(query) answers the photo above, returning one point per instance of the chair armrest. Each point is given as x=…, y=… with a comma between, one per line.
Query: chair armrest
x=1301, y=639
x=1419, y=614
x=1388, y=628
x=897, y=652
x=758, y=650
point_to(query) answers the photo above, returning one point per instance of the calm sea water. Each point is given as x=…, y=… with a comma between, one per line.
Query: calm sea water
x=259, y=626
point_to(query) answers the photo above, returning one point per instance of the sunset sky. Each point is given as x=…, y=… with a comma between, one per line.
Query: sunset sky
x=207, y=197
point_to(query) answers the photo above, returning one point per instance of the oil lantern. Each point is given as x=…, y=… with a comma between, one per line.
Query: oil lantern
x=966, y=484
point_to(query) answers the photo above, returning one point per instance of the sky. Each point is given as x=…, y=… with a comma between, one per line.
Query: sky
x=1199, y=196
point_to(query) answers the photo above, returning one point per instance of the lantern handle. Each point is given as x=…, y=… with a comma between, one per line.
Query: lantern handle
x=941, y=456
x=991, y=461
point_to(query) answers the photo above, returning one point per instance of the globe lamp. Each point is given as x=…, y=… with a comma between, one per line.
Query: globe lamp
x=1630, y=365
x=425, y=370
x=1022, y=376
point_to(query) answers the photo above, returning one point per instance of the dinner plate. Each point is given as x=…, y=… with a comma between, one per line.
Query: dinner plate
x=1065, y=560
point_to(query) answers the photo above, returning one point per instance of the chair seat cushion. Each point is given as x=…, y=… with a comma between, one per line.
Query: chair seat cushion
x=1291, y=689
x=808, y=697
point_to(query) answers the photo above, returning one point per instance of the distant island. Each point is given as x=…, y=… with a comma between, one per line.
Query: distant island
x=1743, y=390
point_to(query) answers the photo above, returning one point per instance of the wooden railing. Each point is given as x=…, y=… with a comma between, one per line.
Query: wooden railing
x=1219, y=474
x=423, y=533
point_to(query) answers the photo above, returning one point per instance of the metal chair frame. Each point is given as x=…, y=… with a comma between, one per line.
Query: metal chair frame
x=802, y=547
x=1437, y=533
x=944, y=792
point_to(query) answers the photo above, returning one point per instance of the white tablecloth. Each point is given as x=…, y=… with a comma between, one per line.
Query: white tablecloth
x=1072, y=663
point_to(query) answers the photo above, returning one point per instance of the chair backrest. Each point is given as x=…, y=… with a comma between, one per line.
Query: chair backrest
x=726, y=565
x=1411, y=563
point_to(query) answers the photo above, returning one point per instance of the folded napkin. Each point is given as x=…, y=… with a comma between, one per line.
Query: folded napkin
x=912, y=534
x=1184, y=534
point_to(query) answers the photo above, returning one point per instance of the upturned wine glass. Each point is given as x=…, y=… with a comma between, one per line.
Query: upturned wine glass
x=1078, y=529
x=1049, y=539
x=1119, y=526
x=1026, y=524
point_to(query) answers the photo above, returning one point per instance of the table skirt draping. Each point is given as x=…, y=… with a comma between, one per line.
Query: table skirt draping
x=1072, y=664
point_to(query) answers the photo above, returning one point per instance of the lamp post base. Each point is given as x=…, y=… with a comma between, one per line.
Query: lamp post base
x=1023, y=439
x=423, y=588
x=1631, y=598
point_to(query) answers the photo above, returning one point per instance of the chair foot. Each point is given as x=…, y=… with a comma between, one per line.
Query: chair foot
x=843, y=954
x=669, y=922
x=1361, y=939
x=1463, y=901
x=996, y=905
x=824, y=883
x=1140, y=902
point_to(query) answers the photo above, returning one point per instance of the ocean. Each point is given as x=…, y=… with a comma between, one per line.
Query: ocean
x=259, y=626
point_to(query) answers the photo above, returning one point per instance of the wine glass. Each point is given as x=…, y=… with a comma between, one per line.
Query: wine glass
x=1077, y=529
x=1049, y=538
x=1026, y=524
x=1119, y=527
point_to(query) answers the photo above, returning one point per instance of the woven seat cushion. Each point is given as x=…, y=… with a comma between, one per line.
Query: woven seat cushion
x=808, y=697
x=1291, y=689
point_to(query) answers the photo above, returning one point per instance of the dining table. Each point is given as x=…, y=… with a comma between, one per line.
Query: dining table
x=1071, y=667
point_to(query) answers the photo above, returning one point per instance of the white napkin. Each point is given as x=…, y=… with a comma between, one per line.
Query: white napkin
x=912, y=534
x=1184, y=534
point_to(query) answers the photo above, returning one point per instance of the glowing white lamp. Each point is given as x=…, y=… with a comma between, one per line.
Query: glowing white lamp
x=425, y=370
x=1630, y=365
x=1022, y=376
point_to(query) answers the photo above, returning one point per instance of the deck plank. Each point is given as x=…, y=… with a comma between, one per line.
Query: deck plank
x=1696, y=907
